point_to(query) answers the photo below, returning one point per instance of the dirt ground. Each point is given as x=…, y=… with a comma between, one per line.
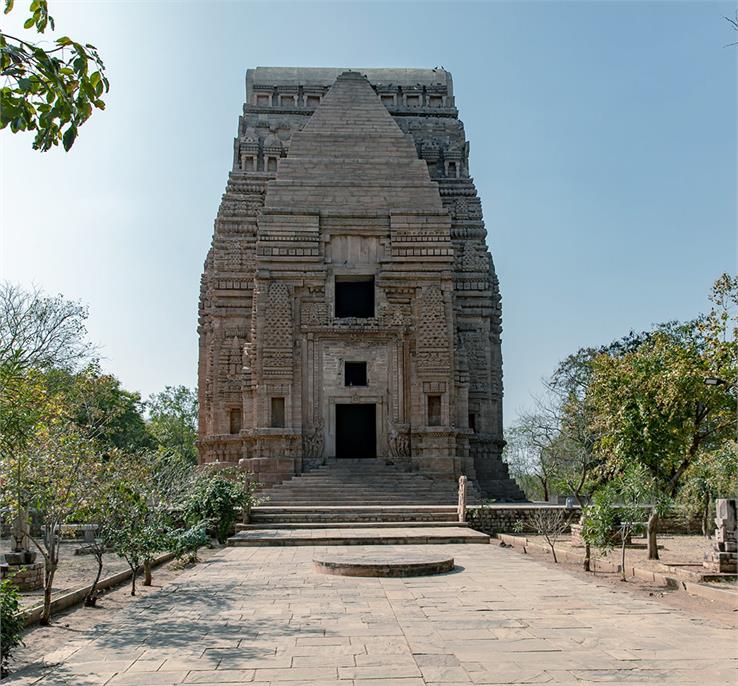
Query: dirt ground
x=74, y=571
x=704, y=611
x=80, y=622
x=674, y=549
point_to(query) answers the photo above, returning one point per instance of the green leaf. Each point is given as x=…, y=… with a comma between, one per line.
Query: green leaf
x=9, y=6
x=28, y=23
x=69, y=136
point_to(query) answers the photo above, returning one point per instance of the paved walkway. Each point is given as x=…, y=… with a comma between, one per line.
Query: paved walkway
x=263, y=616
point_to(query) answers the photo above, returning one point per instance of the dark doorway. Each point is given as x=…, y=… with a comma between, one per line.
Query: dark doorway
x=356, y=431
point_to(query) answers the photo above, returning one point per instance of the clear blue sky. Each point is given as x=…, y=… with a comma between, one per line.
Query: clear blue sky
x=603, y=144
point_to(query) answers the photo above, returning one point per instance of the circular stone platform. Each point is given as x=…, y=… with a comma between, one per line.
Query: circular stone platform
x=381, y=564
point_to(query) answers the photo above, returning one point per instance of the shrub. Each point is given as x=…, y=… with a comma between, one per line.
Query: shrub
x=185, y=543
x=11, y=624
x=217, y=497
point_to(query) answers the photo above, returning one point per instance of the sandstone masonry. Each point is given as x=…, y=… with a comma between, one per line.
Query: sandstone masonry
x=349, y=306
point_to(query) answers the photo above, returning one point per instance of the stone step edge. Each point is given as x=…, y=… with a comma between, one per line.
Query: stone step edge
x=267, y=509
x=353, y=525
x=236, y=541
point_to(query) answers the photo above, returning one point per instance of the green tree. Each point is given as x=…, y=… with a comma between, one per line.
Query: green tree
x=173, y=421
x=53, y=472
x=619, y=505
x=714, y=474
x=136, y=526
x=99, y=404
x=653, y=407
x=51, y=91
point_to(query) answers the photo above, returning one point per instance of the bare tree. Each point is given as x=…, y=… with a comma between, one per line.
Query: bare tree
x=551, y=523
x=733, y=21
x=41, y=331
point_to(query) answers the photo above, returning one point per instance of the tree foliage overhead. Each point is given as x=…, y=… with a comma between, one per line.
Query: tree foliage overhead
x=173, y=420
x=49, y=90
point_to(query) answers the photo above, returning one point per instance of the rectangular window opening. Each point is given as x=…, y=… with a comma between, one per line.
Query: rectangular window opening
x=277, y=413
x=473, y=422
x=355, y=296
x=235, y=421
x=354, y=374
x=434, y=410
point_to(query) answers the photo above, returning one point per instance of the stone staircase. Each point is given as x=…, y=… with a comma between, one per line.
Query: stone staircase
x=348, y=502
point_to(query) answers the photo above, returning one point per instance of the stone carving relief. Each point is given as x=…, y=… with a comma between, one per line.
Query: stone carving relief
x=312, y=441
x=277, y=335
x=432, y=330
x=399, y=442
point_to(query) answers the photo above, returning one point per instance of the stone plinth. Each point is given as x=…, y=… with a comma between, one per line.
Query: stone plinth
x=384, y=564
x=723, y=558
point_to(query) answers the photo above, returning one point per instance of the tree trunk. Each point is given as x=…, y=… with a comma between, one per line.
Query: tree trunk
x=623, y=538
x=706, y=516
x=91, y=597
x=651, y=529
x=587, y=557
x=147, y=573
x=49, y=571
x=134, y=569
x=553, y=552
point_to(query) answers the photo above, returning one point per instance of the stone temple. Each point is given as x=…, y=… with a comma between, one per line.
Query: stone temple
x=349, y=307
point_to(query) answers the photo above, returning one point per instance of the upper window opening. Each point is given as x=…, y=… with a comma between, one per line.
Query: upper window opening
x=355, y=374
x=355, y=296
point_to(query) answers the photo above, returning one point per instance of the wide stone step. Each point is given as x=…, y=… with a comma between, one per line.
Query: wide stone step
x=393, y=524
x=357, y=536
x=267, y=520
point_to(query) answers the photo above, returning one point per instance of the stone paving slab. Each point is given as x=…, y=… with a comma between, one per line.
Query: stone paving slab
x=262, y=616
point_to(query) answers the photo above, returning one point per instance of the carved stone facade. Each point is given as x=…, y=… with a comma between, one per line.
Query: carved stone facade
x=349, y=241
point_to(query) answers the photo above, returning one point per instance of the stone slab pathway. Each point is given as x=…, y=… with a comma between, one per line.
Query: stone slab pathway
x=262, y=616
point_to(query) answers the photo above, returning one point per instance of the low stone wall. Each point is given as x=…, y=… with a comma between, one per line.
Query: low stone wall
x=507, y=518
x=26, y=577
x=494, y=519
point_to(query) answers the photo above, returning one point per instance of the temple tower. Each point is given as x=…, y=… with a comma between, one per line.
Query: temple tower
x=349, y=307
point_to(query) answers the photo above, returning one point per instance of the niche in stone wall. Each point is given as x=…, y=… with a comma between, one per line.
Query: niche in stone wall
x=235, y=420
x=277, y=413
x=434, y=410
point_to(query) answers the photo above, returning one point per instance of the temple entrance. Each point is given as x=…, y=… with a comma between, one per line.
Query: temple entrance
x=356, y=431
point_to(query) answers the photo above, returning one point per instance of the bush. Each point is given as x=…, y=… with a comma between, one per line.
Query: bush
x=185, y=543
x=11, y=624
x=217, y=497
